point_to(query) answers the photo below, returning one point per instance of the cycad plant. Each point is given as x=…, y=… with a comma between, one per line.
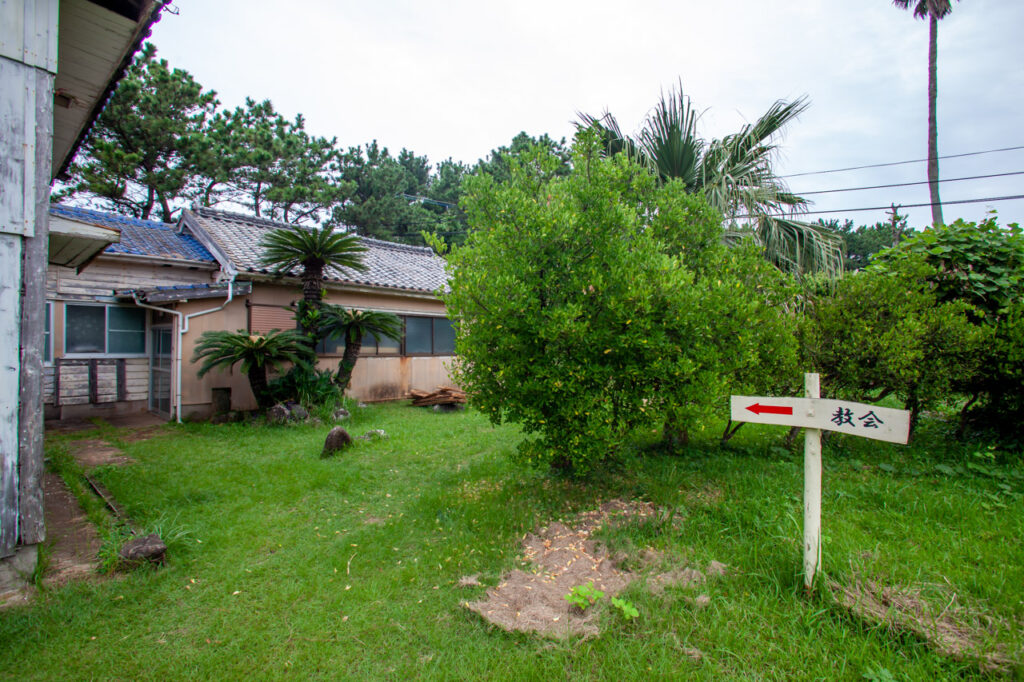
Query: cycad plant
x=256, y=353
x=353, y=326
x=312, y=249
x=734, y=173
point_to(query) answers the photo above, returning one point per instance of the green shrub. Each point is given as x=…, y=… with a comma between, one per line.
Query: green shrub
x=884, y=332
x=595, y=304
x=310, y=387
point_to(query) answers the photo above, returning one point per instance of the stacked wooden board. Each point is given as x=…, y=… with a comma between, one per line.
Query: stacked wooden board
x=444, y=395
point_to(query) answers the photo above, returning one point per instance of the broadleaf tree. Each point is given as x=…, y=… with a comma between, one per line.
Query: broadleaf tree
x=577, y=320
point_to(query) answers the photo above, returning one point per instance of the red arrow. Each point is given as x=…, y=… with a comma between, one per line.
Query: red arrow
x=758, y=408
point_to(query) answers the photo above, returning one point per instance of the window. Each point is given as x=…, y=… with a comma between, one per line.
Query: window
x=421, y=336
x=107, y=330
x=429, y=336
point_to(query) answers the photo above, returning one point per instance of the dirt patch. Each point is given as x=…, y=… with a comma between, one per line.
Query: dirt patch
x=951, y=631
x=145, y=433
x=93, y=453
x=74, y=542
x=563, y=557
x=704, y=497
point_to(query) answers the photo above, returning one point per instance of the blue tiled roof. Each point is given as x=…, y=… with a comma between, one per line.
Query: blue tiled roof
x=139, y=237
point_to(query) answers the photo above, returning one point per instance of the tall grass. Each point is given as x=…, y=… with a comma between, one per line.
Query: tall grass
x=286, y=565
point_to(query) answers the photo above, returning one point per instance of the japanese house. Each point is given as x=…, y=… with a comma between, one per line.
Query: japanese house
x=121, y=334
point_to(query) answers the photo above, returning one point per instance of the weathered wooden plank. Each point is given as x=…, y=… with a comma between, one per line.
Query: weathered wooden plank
x=17, y=150
x=28, y=32
x=10, y=328
x=92, y=381
x=122, y=387
x=30, y=489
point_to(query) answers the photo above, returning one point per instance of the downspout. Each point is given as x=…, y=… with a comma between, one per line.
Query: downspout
x=178, y=314
x=182, y=330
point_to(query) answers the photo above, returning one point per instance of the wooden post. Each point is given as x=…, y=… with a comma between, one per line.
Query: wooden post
x=812, y=491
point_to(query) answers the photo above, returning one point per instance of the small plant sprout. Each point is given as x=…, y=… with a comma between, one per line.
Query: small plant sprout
x=629, y=612
x=583, y=596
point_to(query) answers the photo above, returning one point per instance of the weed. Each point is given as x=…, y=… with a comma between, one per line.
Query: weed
x=626, y=608
x=583, y=596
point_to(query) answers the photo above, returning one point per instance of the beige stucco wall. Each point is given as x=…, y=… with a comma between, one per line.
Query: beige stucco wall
x=374, y=378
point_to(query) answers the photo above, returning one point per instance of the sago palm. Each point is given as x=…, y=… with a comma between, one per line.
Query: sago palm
x=314, y=250
x=734, y=173
x=256, y=353
x=352, y=326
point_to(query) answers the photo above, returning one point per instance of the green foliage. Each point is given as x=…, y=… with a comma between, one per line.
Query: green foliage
x=734, y=174
x=352, y=326
x=582, y=596
x=590, y=305
x=499, y=163
x=978, y=263
x=255, y=157
x=626, y=608
x=886, y=332
x=861, y=243
x=396, y=197
x=256, y=353
x=310, y=387
x=312, y=249
x=137, y=158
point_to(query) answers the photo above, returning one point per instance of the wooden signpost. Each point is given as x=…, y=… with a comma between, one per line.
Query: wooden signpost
x=816, y=414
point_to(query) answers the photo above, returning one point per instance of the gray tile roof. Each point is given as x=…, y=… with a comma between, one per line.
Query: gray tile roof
x=390, y=265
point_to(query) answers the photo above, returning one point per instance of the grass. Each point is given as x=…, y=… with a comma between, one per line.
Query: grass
x=285, y=565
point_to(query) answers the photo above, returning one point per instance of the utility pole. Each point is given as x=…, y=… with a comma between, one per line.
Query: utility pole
x=894, y=219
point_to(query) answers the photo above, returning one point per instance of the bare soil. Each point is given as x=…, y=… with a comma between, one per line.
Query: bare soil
x=73, y=539
x=563, y=557
x=952, y=631
x=93, y=453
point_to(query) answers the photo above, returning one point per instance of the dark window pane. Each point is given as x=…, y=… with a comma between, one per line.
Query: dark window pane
x=418, y=331
x=444, y=336
x=331, y=346
x=127, y=330
x=387, y=346
x=369, y=345
x=85, y=328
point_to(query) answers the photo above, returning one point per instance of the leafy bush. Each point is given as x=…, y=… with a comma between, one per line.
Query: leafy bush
x=306, y=385
x=980, y=264
x=594, y=304
x=885, y=332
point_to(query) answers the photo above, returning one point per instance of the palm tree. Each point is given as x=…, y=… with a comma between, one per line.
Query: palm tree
x=353, y=326
x=933, y=10
x=314, y=249
x=255, y=352
x=735, y=174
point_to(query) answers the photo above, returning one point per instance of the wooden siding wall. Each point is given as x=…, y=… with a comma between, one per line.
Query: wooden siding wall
x=28, y=60
x=98, y=381
x=108, y=273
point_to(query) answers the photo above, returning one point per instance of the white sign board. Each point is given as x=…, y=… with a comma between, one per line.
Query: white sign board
x=856, y=419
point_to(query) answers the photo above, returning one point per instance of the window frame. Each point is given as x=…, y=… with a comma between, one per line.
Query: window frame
x=106, y=331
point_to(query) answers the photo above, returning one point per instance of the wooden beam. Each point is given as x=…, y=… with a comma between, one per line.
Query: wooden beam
x=30, y=423
x=10, y=324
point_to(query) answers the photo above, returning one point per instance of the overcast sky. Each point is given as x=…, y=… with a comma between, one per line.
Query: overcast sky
x=457, y=79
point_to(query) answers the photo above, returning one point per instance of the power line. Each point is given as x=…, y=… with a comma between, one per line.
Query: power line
x=900, y=163
x=880, y=208
x=909, y=184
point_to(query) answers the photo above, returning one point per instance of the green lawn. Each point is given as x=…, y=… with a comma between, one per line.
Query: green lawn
x=286, y=565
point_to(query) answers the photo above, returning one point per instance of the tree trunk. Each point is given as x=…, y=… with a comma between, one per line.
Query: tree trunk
x=348, y=360
x=258, y=383
x=675, y=436
x=313, y=282
x=933, y=131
